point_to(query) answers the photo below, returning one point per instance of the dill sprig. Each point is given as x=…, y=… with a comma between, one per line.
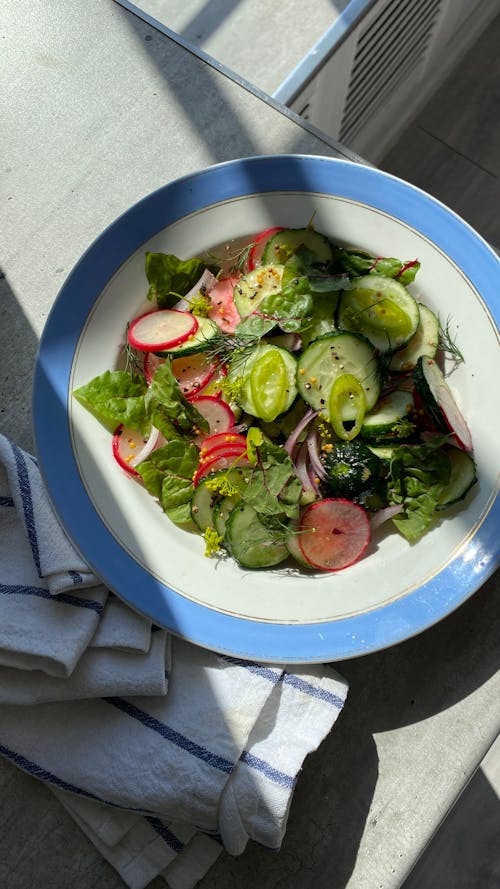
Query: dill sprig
x=231, y=348
x=237, y=258
x=133, y=364
x=447, y=343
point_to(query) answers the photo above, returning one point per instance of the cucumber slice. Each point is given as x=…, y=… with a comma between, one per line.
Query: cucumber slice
x=387, y=415
x=205, y=502
x=384, y=452
x=249, y=542
x=439, y=402
x=251, y=289
x=294, y=550
x=326, y=359
x=207, y=329
x=322, y=317
x=221, y=513
x=423, y=342
x=381, y=309
x=462, y=478
x=269, y=387
x=283, y=244
x=202, y=506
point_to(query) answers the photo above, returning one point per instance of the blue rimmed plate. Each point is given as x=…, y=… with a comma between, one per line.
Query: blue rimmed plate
x=278, y=615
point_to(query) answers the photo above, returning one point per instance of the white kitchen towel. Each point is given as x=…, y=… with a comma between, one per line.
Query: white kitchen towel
x=99, y=672
x=161, y=780
x=55, y=615
x=217, y=757
x=120, y=627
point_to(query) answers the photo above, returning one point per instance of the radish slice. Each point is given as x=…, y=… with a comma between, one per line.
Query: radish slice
x=439, y=402
x=224, y=311
x=221, y=450
x=255, y=255
x=335, y=534
x=162, y=329
x=222, y=439
x=192, y=372
x=130, y=447
x=453, y=418
x=151, y=362
x=228, y=459
x=216, y=412
x=211, y=388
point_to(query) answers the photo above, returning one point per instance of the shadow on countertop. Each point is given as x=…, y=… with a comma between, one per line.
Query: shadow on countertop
x=18, y=348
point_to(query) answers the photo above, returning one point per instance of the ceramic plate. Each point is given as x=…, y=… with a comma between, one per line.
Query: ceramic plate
x=396, y=590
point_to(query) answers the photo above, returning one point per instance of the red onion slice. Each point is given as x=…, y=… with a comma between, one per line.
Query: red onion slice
x=383, y=515
x=301, y=468
x=314, y=455
x=205, y=283
x=291, y=441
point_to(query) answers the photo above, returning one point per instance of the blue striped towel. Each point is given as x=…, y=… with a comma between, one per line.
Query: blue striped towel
x=160, y=781
x=62, y=634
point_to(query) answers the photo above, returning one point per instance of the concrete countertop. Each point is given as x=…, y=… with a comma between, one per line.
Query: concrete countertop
x=258, y=41
x=98, y=110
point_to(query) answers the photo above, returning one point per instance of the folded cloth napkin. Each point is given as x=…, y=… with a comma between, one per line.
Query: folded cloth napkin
x=162, y=752
x=62, y=634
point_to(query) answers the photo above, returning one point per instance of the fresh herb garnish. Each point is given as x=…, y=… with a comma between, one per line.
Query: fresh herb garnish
x=234, y=348
x=448, y=344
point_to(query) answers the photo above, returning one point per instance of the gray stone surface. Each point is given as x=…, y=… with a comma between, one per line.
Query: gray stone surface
x=98, y=110
x=259, y=41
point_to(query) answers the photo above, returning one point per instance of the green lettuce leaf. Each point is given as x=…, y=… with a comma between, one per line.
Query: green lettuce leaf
x=116, y=397
x=322, y=317
x=170, y=278
x=289, y=309
x=255, y=326
x=168, y=476
x=167, y=407
x=273, y=488
x=322, y=277
x=418, y=476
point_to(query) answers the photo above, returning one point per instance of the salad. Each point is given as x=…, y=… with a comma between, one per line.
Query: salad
x=285, y=397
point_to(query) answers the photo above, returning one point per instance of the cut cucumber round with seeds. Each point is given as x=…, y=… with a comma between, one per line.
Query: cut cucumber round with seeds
x=462, y=477
x=282, y=245
x=222, y=510
x=381, y=309
x=202, y=506
x=251, y=289
x=390, y=418
x=424, y=341
x=250, y=542
x=331, y=356
x=206, y=500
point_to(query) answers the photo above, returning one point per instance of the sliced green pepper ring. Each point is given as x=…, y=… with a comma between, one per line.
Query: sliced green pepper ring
x=347, y=404
x=268, y=385
x=254, y=440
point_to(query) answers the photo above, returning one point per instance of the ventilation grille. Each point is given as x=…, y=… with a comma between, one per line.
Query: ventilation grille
x=390, y=49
